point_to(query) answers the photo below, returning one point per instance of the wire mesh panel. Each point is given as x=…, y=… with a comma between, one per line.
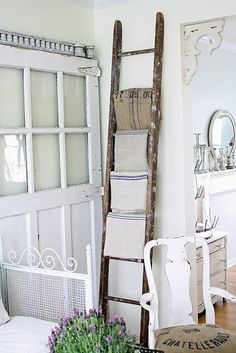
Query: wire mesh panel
x=44, y=295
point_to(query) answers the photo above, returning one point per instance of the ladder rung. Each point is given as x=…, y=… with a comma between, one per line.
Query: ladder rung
x=137, y=52
x=140, y=261
x=122, y=300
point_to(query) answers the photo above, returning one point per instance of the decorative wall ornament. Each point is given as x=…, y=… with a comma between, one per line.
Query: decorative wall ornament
x=192, y=34
x=49, y=45
x=47, y=259
x=90, y=71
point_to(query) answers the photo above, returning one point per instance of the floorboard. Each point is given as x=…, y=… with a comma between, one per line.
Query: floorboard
x=226, y=311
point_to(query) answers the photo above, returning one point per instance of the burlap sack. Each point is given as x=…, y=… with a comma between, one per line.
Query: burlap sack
x=196, y=338
x=133, y=108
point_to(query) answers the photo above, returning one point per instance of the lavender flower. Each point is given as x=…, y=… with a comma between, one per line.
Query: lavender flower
x=97, y=346
x=88, y=332
x=120, y=333
x=109, y=340
x=93, y=326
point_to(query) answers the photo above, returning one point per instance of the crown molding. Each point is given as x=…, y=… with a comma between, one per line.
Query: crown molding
x=99, y=3
x=107, y=3
x=20, y=40
x=84, y=3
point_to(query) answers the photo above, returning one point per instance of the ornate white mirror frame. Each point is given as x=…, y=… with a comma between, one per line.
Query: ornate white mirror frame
x=192, y=35
x=219, y=114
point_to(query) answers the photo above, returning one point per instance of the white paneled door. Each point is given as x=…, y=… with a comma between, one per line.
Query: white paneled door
x=50, y=163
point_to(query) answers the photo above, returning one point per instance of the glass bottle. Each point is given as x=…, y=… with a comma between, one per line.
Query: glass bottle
x=197, y=152
x=211, y=160
x=222, y=159
x=204, y=167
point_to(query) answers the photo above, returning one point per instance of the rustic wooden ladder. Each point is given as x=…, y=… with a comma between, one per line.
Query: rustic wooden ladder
x=117, y=54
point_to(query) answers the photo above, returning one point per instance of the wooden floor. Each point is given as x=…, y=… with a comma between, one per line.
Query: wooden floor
x=226, y=312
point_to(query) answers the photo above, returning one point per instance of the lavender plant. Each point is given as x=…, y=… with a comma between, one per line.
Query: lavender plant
x=90, y=333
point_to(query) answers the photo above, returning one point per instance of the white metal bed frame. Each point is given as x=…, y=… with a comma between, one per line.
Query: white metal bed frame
x=31, y=286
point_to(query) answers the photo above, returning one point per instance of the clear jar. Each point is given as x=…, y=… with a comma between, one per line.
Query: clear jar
x=204, y=166
x=197, y=152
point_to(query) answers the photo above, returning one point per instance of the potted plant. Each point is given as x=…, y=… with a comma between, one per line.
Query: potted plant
x=90, y=333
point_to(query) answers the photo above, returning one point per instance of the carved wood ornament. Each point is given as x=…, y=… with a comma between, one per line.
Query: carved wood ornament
x=192, y=35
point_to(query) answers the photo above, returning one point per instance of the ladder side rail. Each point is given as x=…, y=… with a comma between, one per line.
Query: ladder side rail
x=115, y=82
x=152, y=160
x=152, y=156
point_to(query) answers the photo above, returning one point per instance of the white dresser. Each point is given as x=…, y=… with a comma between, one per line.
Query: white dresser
x=218, y=265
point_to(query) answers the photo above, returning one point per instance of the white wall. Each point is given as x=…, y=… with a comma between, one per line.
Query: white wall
x=223, y=205
x=64, y=20
x=214, y=88
x=55, y=19
x=175, y=207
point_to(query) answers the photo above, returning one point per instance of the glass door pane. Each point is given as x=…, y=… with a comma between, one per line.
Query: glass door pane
x=11, y=98
x=77, y=159
x=46, y=162
x=13, y=176
x=74, y=101
x=44, y=99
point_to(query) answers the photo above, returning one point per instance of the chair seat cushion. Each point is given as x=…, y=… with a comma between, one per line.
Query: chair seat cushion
x=195, y=338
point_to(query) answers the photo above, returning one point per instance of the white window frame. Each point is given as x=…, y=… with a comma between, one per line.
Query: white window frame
x=31, y=202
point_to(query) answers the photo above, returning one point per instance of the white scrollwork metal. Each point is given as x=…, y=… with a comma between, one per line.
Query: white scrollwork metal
x=90, y=71
x=192, y=34
x=48, y=259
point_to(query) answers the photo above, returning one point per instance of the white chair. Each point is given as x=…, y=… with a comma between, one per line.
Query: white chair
x=178, y=270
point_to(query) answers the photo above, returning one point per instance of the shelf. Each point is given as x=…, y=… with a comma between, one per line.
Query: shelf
x=220, y=182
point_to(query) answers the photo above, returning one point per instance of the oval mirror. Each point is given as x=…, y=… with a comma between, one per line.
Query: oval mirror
x=221, y=131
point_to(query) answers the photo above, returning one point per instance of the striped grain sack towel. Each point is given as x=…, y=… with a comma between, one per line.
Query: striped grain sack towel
x=196, y=338
x=133, y=108
x=131, y=151
x=125, y=235
x=128, y=191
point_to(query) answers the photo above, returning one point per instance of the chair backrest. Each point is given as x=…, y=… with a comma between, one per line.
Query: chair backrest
x=178, y=270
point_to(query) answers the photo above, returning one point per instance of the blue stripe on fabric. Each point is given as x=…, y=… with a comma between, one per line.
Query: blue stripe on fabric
x=121, y=177
x=126, y=217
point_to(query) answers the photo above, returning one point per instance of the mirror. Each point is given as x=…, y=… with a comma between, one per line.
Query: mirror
x=221, y=131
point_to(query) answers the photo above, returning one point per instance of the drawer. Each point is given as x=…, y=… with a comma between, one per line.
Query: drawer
x=217, y=263
x=213, y=247
x=218, y=280
x=216, y=245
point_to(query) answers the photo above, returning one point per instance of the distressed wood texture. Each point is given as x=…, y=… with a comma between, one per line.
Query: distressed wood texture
x=152, y=160
x=152, y=154
x=115, y=81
